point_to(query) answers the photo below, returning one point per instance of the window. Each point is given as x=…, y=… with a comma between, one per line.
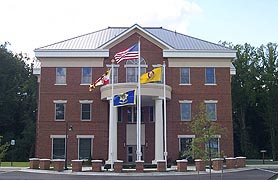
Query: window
x=120, y=114
x=132, y=70
x=86, y=111
x=115, y=80
x=185, y=109
x=211, y=111
x=86, y=75
x=60, y=111
x=61, y=75
x=213, y=144
x=151, y=114
x=185, y=75
x=185, y=144
x=210, y=75
x=58, y=148
x=85, y=148
x=131, y=114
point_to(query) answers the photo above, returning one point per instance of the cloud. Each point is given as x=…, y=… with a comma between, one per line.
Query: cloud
x=34, y=23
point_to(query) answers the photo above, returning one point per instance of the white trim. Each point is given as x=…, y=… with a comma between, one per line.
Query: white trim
x=85, y=101
x=60, y=101
x=85, y=136
x=115, y=65
x=211, y=101
x=135, y=66
x=57, y=136
x=211, y=84
x=185, y=84
x=185, y=101
x=72, y=53
x=85, y=84
x=60, y=84
x=199, y=53
x=186, y=136
x=129, y=30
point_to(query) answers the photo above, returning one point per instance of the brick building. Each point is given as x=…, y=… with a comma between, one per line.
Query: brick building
x=196, y=71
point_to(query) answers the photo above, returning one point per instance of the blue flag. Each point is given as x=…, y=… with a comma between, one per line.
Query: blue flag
x=127, y=98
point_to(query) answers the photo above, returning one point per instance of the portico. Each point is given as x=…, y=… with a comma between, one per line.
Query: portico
x=151, y=96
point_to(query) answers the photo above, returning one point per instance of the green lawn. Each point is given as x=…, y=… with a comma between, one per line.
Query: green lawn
x=260, y=162
x=15, y=164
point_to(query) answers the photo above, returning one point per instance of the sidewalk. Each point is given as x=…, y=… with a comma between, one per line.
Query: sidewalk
x=128, y=172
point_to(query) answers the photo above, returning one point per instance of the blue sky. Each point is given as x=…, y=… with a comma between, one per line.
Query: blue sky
x=30, y=24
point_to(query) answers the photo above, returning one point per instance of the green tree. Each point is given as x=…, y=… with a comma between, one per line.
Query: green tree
x=205, y=130
x=268, y=56
x=3, y=149
x=18, y=92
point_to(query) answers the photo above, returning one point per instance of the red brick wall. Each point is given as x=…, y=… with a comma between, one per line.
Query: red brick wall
x=73, y=92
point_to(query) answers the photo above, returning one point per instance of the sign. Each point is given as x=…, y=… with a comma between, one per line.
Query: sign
x=12, y=142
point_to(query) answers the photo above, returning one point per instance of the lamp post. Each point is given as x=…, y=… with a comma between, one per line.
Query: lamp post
x=207, y=127
x=68, y=128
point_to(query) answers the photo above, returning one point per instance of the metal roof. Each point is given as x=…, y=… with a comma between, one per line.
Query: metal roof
x=96, y=39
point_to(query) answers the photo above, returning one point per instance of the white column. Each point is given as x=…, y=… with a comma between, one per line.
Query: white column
x=158, y=130
x=113, y=119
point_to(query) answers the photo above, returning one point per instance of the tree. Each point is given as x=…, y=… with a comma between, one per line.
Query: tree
x=205, y=130
x=18, y=92
x=3, y=149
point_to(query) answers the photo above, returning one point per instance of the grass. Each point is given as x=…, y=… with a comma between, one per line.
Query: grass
x=14, y=164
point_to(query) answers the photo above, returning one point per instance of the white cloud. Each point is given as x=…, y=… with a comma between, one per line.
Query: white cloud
x=34, y=23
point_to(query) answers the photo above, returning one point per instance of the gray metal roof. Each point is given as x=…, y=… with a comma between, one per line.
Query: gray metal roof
x=96, y=39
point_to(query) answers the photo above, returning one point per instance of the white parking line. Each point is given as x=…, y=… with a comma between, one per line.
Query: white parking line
x=266, y=170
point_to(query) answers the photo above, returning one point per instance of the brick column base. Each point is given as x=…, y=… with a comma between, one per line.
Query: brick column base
x=230, y=163
x=76, y=165
x=200, y=165
x=217, y=164
x=45, y=164
x=118, y=166
x=96, y=165
x=182, y=165
x=58, y=164
x=139, y=166
x=161, y=165
x=240, y=162
x=34, y=163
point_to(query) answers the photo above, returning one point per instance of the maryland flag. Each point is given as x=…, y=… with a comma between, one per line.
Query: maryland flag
x=151, y=76
x=102, y=80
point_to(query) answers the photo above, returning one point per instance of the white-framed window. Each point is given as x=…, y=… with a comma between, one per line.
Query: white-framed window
x=210, y=76
x=185, y=143
x=132, y=69
x=214, y=146
x=58, y=146
x=151, y=114
x=60, y=109
x=86, y=77
x=61, y=78
x=132, y=114
x=185, y=76
x=211, y=109
x=185, y=110
x=85, y=143
x=115, y=73
x=86, y=110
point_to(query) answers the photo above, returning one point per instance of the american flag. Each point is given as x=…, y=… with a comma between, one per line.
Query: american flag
x=127, y=54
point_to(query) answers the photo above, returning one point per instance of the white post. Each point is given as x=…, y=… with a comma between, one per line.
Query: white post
x=139, y=153
x=158, y=130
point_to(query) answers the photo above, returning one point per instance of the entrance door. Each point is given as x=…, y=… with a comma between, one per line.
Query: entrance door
x=131, y=153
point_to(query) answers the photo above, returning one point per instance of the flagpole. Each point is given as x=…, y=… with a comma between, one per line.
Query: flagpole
x=165, y=115
x=139, y=106
x=112, y=116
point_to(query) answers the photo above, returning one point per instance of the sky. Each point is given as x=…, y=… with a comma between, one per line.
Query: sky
x=30, y=24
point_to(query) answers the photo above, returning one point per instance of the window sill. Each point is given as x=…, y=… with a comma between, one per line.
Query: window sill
x=83, y=84
x=59, y=120
x=210, y=84
x=60, y=84
x=185, y=84
x=85, y=120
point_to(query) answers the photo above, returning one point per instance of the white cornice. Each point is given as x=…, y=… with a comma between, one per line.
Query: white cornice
x=72, y=53
x=198, y=54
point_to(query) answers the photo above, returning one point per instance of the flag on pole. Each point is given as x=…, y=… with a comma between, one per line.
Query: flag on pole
x=151, y=76
x=123, y=99
x=102, y=80
x=127, y=54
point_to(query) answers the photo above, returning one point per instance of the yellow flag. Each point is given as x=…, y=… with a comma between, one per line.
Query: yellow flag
x=151, y=76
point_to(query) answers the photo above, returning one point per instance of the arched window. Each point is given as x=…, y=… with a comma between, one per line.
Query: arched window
x=132, y=69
